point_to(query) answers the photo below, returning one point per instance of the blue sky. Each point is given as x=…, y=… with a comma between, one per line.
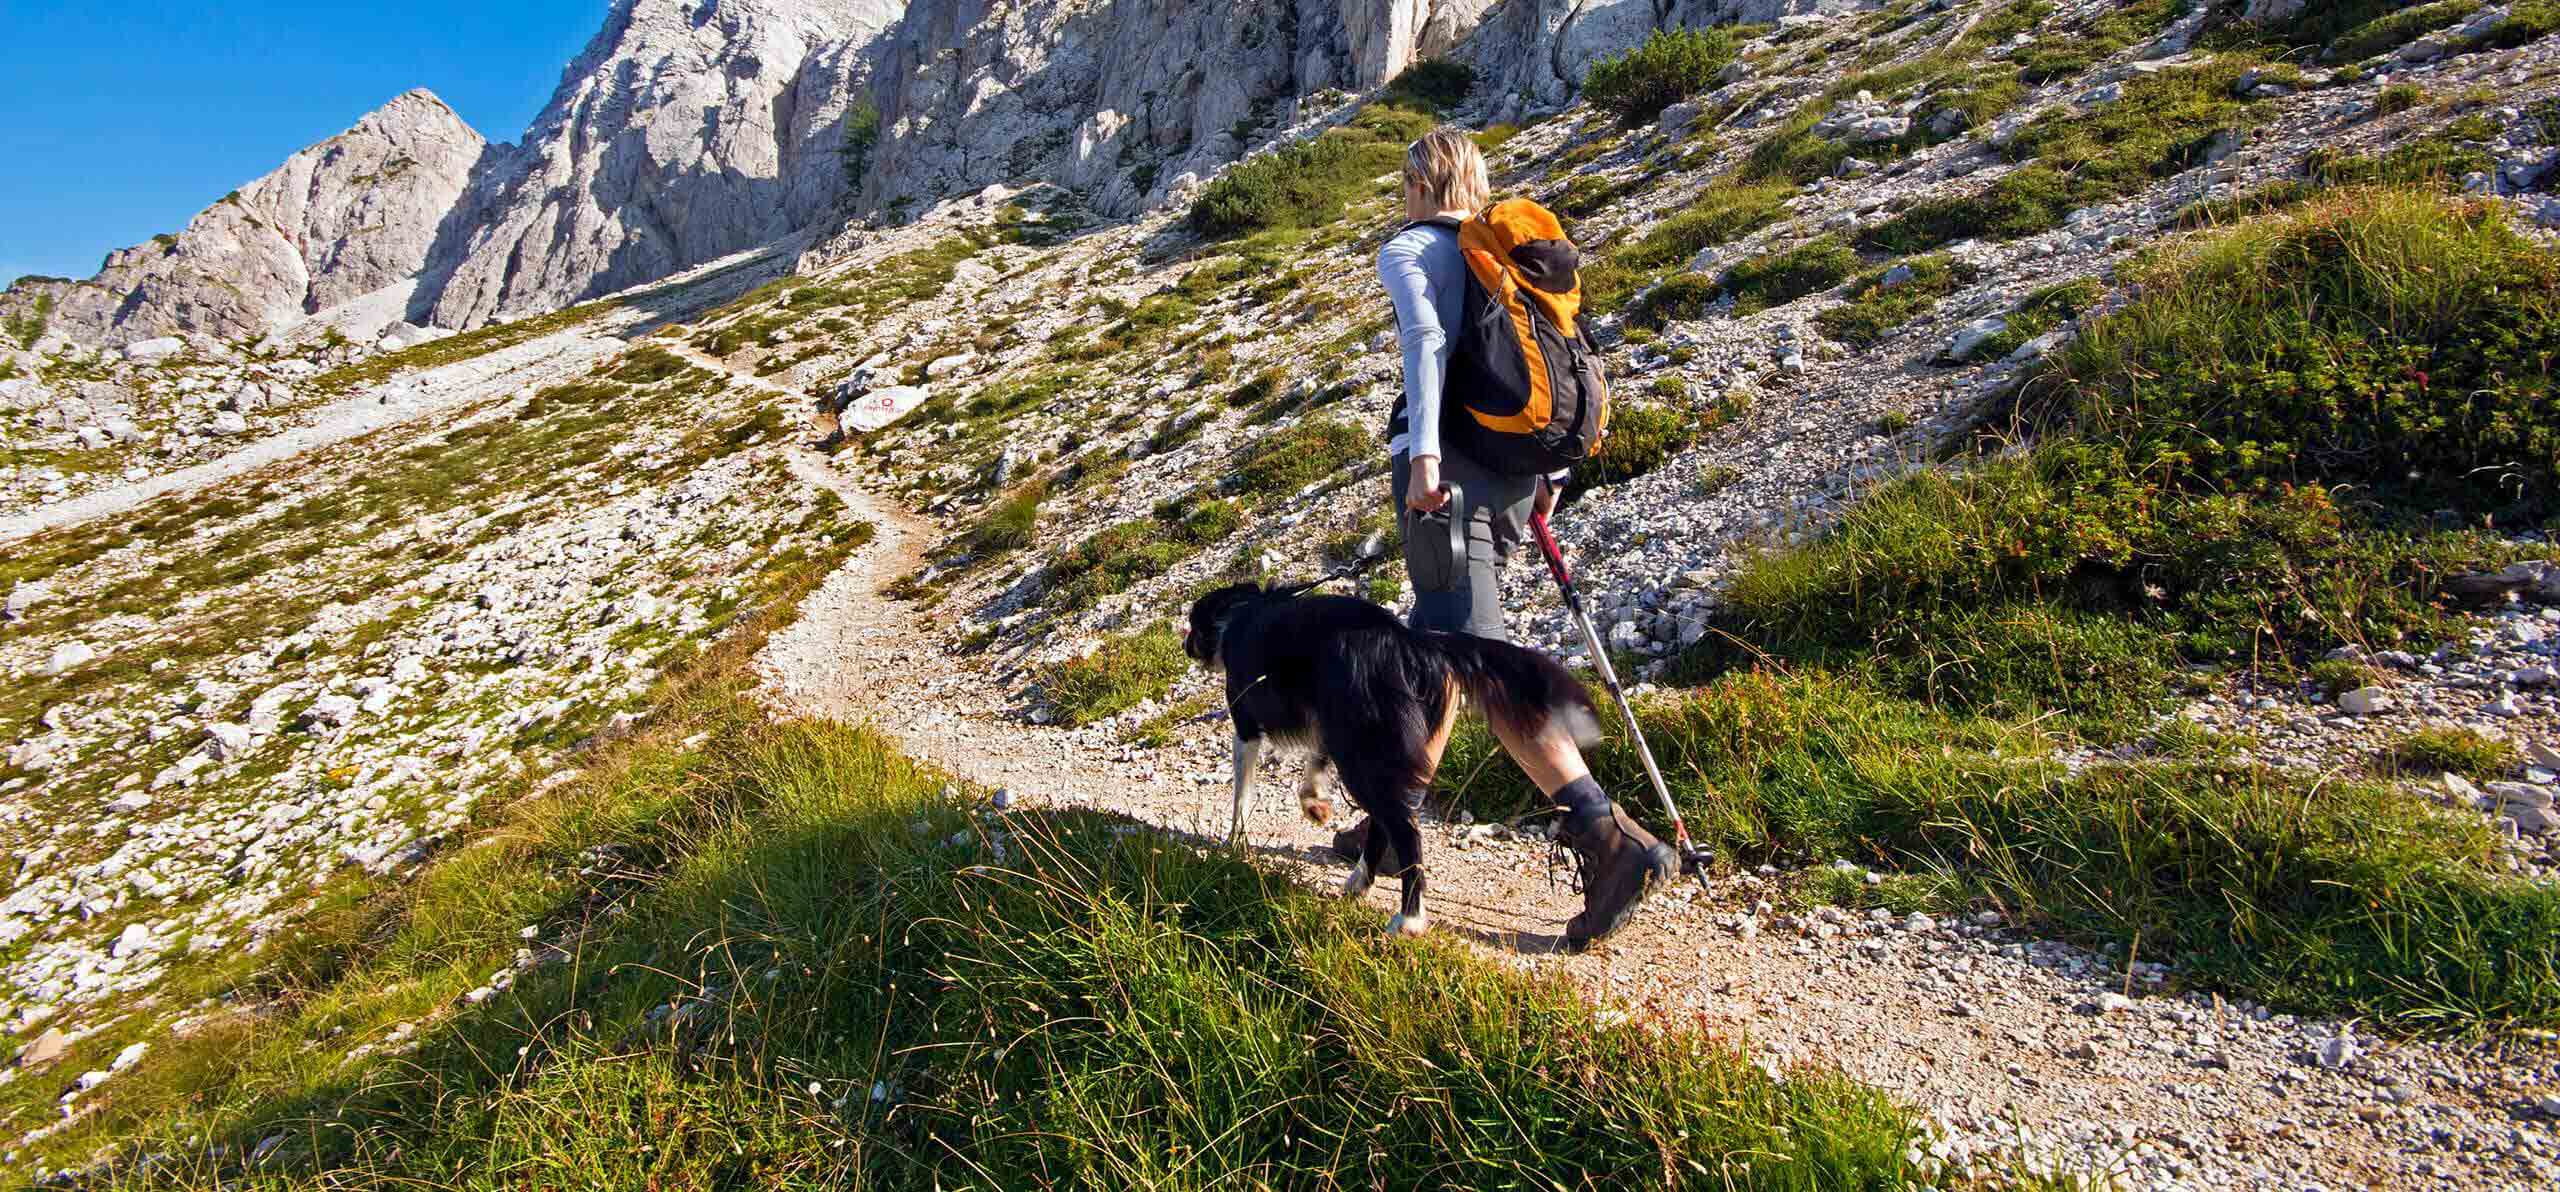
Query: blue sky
x=120, y=120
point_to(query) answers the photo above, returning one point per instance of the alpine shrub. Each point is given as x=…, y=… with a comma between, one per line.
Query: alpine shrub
x=1670, y=66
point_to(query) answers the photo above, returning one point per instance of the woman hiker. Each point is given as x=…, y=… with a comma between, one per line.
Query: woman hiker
x=1445, y=183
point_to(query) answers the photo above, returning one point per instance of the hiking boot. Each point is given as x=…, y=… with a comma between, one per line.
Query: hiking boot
x=1620, y=863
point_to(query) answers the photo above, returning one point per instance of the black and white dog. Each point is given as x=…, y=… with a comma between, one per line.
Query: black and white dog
x=1375, y=701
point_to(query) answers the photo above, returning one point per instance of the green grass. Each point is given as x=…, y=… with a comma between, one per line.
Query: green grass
x=28, y=324
x=1127, y=670
x=1113, y=560
x=1643, y=438
x=1722, y=213
x=2117, y=29
x=2394, y=341
x=1672, y=65
x=2320, y=897
x=2042, y=311
x=2398, y=98
x=1310, y=183
x=2453, y=751
x=809, y=962
x=1874, y=312
x=2160, y=127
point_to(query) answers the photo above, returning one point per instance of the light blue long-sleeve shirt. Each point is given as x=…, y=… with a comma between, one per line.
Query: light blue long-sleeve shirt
x=1426, y=276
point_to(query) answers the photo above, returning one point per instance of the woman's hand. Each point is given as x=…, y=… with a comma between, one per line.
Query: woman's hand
x=1548, y=493
x=1426, y=494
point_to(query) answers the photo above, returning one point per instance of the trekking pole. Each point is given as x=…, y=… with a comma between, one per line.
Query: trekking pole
x=1693, y=860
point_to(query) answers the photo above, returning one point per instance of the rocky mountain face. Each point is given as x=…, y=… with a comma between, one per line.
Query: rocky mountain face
x=690, y=130
x=1129, y=103
x=687, y=131
x=343, y=218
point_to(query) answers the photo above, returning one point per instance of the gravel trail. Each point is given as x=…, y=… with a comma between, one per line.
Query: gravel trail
x=2021, y=1051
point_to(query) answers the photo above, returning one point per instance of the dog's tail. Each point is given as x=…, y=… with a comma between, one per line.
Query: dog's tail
x=1520, y=690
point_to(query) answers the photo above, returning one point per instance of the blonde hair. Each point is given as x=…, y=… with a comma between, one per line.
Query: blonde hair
x=1449, y=170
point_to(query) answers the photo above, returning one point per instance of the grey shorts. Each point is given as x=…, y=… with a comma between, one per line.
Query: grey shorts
x=1459, y=590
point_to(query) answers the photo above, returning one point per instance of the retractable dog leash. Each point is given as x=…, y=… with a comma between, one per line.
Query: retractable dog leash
x=1693, y=860
x=1373, y=550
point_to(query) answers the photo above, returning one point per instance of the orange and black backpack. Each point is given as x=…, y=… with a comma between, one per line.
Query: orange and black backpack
x=1524, y=393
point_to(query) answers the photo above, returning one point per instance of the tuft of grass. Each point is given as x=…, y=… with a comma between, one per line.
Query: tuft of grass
x=1126, y=670
x=2398, y=98
x=1669, y=67
x=1011, y=524
x=2460, y=751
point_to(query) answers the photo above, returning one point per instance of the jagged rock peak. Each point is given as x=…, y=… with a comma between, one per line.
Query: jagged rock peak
x=348, y=216
x=688, y=130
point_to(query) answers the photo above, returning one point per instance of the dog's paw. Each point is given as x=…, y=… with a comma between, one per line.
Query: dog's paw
x=1358, y=883
x=1413, y=924
x=1318, y=811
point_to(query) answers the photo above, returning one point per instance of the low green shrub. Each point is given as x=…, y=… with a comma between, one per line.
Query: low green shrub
x=1436, y=83
x=1280, y=465
x=1671, y=66
x=2389, y=32
x=1875, y=311
x=1126, y=670
x=2398, y=98
x=1782, y=277
x=2392, y=341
